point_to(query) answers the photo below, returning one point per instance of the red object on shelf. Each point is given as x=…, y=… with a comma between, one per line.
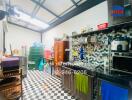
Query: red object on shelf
x=102, y=26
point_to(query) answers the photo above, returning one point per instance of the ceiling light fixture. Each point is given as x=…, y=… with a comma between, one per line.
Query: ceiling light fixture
x=24, y=17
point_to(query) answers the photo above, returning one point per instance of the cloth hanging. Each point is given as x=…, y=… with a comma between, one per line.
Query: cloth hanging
x=113, y=92
x=81, y=83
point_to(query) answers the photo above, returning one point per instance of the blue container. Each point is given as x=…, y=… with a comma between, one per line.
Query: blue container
x=41, y=64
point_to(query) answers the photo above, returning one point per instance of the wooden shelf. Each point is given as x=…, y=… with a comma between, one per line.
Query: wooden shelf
x=12, y=93
x=14, y=96
x=13, y=71
x=10, y=85
x=12, y=90
x=9, y=74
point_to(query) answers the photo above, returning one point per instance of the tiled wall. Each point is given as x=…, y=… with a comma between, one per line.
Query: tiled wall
x=97, y=52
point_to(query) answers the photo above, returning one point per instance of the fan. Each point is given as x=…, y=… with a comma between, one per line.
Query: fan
x=3, y=14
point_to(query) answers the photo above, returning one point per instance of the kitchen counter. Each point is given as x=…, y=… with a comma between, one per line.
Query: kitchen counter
x=96, y=77
x=124, y=80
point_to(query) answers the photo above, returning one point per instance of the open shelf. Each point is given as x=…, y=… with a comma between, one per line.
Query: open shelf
x=11, y=88
x=10, y=85
x=109, y=29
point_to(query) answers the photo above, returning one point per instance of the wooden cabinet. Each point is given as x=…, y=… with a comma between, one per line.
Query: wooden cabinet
x=56, y=47
x=60, y=54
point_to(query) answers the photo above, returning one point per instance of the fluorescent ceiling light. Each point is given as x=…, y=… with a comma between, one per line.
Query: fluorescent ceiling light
x=24, y=17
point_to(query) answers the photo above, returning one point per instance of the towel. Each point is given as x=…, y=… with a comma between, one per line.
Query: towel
x=113, y=92
x=81, y=83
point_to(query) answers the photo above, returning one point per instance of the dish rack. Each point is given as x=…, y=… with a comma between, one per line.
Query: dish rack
x=11, y=84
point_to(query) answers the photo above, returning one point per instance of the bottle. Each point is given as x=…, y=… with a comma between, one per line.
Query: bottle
x=106, y=64
x=81, y=53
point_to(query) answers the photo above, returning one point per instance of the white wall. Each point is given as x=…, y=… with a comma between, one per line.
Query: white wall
x=1, y=36
x=92, y=17
x=17, y=37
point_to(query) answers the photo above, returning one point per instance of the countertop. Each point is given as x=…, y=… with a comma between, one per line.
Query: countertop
x=124, y=80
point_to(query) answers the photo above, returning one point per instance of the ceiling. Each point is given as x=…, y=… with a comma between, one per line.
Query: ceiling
x=47, y=11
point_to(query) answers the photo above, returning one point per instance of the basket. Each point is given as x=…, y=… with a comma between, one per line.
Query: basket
x=12, y=93
x=10, y=87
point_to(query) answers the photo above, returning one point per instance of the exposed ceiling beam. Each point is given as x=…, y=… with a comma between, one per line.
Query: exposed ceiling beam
x=63, y=12
x=74, y=3
x=81, y=8
x=37, y=8
x=42, y=6
x=23, y=27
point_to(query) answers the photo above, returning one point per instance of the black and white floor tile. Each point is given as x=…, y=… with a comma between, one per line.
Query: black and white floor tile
x=42, y=86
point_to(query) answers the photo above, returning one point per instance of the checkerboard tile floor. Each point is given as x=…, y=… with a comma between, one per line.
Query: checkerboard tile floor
x=42, y=86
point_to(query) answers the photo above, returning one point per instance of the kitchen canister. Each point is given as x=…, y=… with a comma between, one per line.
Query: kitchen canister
x=106, y=64
x=85, y=40
x=93, y=39
x=82, y=40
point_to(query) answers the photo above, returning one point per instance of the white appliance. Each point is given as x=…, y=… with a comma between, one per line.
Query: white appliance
x=120, y=44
